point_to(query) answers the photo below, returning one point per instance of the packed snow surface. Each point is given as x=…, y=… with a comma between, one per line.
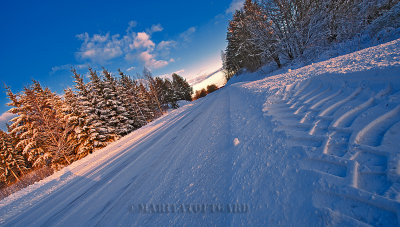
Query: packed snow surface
x=318, y=145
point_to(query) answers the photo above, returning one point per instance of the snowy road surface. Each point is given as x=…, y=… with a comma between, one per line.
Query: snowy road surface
x=313, y=146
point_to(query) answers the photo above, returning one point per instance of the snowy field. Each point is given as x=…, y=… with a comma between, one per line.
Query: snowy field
x=314, y=146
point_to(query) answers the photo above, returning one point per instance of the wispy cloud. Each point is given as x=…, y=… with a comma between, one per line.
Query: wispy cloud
x=100, y=48
x=66, y=67
x=165, y=45
x=187, y=35
x=150, y=61
x=235, y=5
x=155, y=28
x=131, y=68
x=132, y=24
x=169, y=75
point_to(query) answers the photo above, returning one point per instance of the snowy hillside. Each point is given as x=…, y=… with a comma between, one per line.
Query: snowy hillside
x=318, y=145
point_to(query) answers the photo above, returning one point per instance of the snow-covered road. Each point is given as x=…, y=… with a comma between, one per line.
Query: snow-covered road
x=186, y=158
x=307, y=147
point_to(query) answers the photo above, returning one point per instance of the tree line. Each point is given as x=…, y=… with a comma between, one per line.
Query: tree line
x=203, y=92
x=56, y=130
x=282, y=30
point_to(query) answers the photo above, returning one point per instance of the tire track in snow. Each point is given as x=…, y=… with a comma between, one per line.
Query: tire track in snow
x=359, y=165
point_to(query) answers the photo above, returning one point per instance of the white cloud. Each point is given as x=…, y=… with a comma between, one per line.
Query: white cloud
x=132, y=24
x=4, y=118
x=156, y=28
x=235, y=5
x=186, y=35
x=103, y=48
x=130, y=68
x=166, y=45
x=179, y=71
x=169, y=75
x=66, y=67
x=99, y=48
x=150, y=61
x=142, y=40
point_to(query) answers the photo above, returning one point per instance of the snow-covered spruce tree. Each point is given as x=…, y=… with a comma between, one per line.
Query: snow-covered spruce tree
x=170, y=97
x=13, y=163
x=99, y=114
x=146, y=102
x=182, y=89
x=128, y=91
x=75, y=119
x=39, y=127
x=162, y=92
x=83, y=108
x=241, y=51
x=115, y=113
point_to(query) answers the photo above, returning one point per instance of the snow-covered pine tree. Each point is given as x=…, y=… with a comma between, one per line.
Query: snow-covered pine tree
x=116, y=114
x=166, y=93
x=99, y=113
x=38, y=126
x=146, y=102
x=162, y=93
x=75, y=122
x=170, y=94
x=82, y=107
x=182, y=89
x=13, y=163
x=240, y=52
x=128, y=92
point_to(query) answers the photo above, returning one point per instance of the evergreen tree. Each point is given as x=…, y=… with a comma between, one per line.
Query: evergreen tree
x=100, y=112
x=171, y=96
x=75, y=121
x=128, y=91
x=39, y=126
x=241, y=51
x=182, y=89
x=154, y=97
x=12, y=163
x=87, y=119
x=115, y=113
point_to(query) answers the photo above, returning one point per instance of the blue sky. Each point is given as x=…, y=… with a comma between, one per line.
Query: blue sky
x=42, y=40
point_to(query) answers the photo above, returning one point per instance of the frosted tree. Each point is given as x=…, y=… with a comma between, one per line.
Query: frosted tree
x=128, y=92
x=99, y=113
x=151, y=83
x=39, y=126
x=182, y=89
x=116, y=113
x=241, y=51
x=262, y=34
x=12, y=163
x=168, y=95
x=75, y=119
x=146, y=102
x=82, y=106
x=296, y=24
